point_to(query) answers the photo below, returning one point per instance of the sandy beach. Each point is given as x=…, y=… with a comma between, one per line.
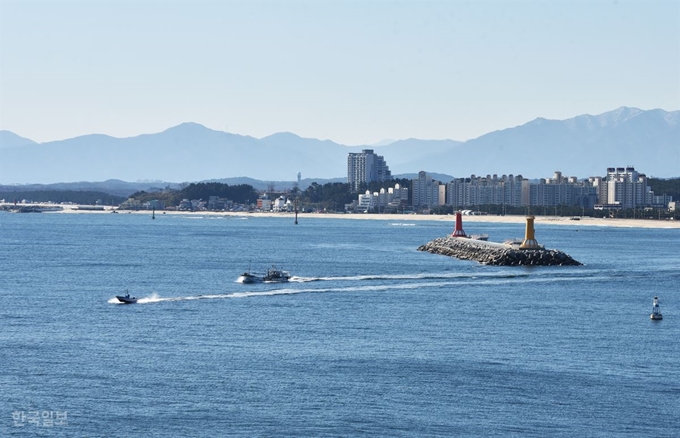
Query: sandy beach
x=520, y=219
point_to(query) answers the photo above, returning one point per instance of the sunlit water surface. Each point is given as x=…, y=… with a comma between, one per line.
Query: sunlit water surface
x=371, y=337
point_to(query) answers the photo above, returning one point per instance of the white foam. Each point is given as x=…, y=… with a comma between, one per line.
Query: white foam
x=454, y=280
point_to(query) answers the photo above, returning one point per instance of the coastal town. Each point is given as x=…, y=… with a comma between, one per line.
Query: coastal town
x=621, y=192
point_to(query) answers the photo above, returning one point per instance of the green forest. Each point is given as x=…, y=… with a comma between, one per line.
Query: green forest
x=240, y=194
x=670, y=186
x=328, y=197
x=334, y=196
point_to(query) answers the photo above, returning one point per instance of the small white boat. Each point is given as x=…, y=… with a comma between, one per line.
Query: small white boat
x=126, y=299
x=656, y=312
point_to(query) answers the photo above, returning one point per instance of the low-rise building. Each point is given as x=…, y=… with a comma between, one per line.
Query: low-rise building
x=154, y=204
x=367, y=201
x=184, y=205
x=131, y=204
x=280, y=204
x=264, y=203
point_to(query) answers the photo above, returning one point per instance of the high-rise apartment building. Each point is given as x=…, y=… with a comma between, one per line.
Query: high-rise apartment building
x=515, y=191
x=425, y=191
x=364, y=167
x=561, y=190
x=625, y=187
x=465, y=192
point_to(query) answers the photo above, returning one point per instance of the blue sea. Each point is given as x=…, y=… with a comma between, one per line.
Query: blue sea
x=370, y=338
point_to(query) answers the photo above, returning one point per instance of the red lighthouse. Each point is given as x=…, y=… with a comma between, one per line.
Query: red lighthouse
x=458, y=232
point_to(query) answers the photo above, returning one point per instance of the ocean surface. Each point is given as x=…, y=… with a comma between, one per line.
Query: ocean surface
x=371, y=338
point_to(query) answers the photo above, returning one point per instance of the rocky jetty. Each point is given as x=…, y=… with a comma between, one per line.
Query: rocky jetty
x=497, y=254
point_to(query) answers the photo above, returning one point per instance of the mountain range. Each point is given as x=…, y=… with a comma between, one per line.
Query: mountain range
x=581, y=146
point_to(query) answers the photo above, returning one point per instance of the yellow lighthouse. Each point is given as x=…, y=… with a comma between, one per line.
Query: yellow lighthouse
x=529, y=239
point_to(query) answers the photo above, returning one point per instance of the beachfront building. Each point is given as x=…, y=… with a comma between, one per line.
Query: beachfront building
x=391, y=199
x=184, y=205
x=662, y=201
x=367, y=201
x=561, y=190
x=154, y=204
x=280, y=204
x=216, y=203
x=625, y=187
x=130, y=204
x=489, y=190
x=365, y=167
x=516, y=191
x=425, y=191
x=264, y=203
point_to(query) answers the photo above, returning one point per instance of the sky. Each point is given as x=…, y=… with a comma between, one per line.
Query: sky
x=355, y=72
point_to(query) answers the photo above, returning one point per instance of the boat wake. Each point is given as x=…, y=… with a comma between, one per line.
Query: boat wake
x=424, y=276
x=453, y=281
x=153, y=298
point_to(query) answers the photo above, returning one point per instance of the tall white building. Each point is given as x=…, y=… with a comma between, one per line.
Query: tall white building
x=364, y=167
x=626, y=187
x=425, y=191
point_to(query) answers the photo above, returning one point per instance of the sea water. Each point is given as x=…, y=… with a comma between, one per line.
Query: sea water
x=371, y=337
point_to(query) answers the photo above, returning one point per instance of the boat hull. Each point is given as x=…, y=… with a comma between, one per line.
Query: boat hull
x=126, y=300
x=276, y=280
x=248, y=279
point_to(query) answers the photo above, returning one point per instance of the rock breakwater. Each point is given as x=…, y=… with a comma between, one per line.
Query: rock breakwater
x=497, y=254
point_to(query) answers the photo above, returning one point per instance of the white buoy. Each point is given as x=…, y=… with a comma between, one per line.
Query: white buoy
x=656, y=312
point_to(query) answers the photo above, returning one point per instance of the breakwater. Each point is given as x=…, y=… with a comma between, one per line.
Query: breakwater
x=497, y=254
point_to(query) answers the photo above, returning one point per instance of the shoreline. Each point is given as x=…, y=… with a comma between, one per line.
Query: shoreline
x=508, y=219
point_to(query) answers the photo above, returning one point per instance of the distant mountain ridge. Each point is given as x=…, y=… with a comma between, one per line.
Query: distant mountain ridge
x=124, y=188
x=9, y=139
x=581, y=146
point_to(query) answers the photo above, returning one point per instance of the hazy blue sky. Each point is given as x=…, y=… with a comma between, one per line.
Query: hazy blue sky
x=355, y=72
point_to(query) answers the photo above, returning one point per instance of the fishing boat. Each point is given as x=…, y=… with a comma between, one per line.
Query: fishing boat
x=273, y=275
x=276, y=276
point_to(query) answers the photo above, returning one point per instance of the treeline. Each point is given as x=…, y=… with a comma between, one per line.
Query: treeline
x=240, y=194
x=334, y=196
x=670, y=186
x=59, y=196
x=330, y=196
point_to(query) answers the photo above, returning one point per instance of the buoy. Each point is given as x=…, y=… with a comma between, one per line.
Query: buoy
x=656, y=312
